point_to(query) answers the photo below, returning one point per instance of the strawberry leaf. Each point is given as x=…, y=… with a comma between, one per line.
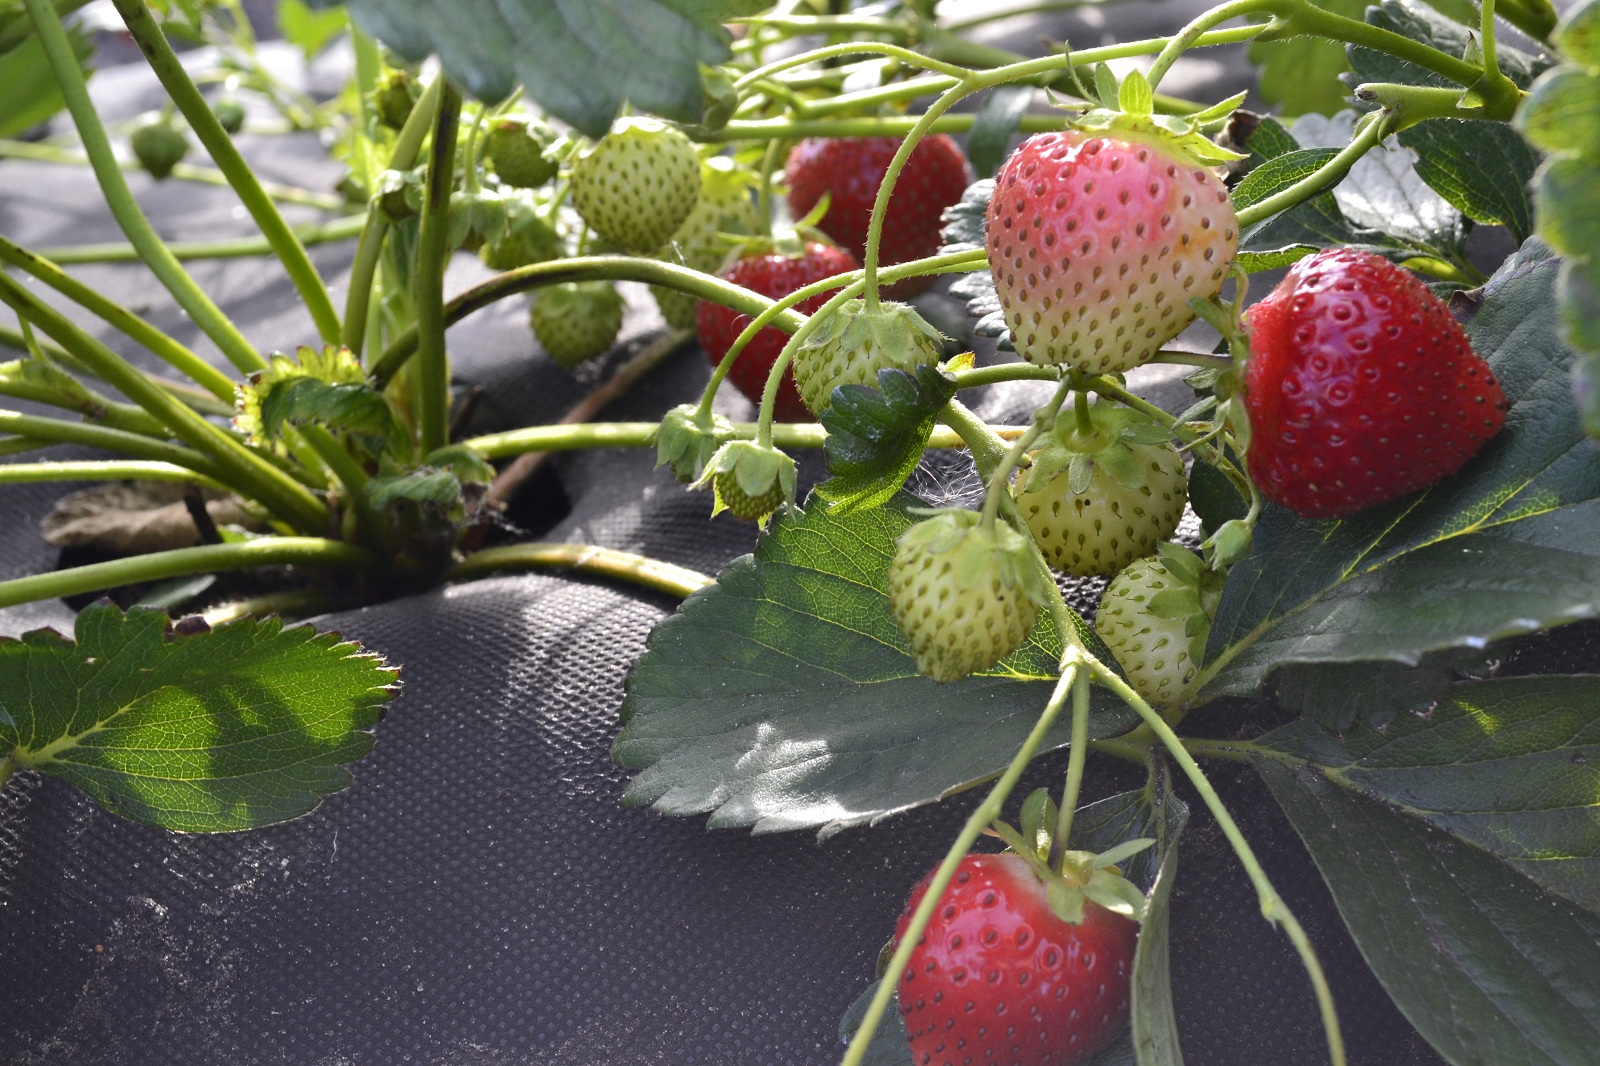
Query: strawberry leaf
x=1486, y=966
x=232, y=728
x=1509, y=544
x=993, y=127
x=784, y=697
x=876, y=436
x=1421, y=23
x=579, y=59
x=1481, y=168
x=963, y=232
x=1511, y=765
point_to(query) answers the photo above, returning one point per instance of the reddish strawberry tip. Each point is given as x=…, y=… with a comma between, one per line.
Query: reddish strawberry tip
x=1361, y=387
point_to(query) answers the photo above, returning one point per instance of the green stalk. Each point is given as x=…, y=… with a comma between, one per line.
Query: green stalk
x=100, y=470
x=242, y=468
x=125, y=321
x=184, y=562
x=1304, y=17
x=1273, y=908
x=1370, y=132
x=339, y=229
x=976, y=823
x=59, y=431
x=580, y=436
x=815, y=55
x=91, y=405
x=999, y=480
x=1076, y=756
x=585, y=559
x=187, y=393
x=580, y=268
x=302, y=272
x=1188, y=36
x=433, y=370
x=288, y=194
x=855, y=280
x=369, y=253
x=69, y=79
x=990, y=375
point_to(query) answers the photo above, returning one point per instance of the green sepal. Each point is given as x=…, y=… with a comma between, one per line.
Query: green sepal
x=399, y=193
x=1134, y=96
x=1118, y=460
x=1230, y=543
x=978, y=548
x=1037, y=819
x=1184, y=564
x=1175, y=603
x=476, y=218
x=467, y=465
x=757, y=470
x=1106, y=87
x=1080, y=472
x=1066, y=901
x=528, y=236
x=687, y=439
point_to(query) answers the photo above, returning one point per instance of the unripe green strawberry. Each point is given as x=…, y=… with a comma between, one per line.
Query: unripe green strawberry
x=517, y=151
x=726, y=204
x=638, y=184
x=577, y=320
x=1097, y=501
x=752, y=480
x=528, y=238
x=230, y=113
x=965, y=592
x=1097, y=242
x=855, y=342
x=159, y=146
x=1155, y=617
x=393, y=98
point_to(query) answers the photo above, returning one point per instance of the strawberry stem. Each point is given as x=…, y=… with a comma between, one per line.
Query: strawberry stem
x=999, y=483
x=1273, y=908
x=976, y=823
x=219, y=145
x=584, y=559
x=183, y=562
x=1370, y=131
x=428, y=279
x=119, y=198
x=1187, y=37
x=1076, y=755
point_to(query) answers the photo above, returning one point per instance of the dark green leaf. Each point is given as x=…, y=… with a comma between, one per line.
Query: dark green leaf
x=1423, y=24
x=346, y=407
x=308, y=30
x=1385, y=191
x=963, y=231
x=1302, y=73
x=1268, y=140
x=1278, y=173
x=1486, y=966
x=963, y=221
x=579, y=59
x=993, y=126
x=242, y=726
x=1482, y=168
x=1335, y=696
x=433, y=485
x=876, y=436
x=1309, y=225
x=1507, y=545
x=891, y=1046
x=784, y=696
x=1214, y=497
x=1511, y=765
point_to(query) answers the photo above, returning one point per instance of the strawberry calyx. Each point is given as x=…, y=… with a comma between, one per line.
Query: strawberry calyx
x=976, y=551
x=1073, y=878
x=856, y=341
x=1106, y=440
x=750, y=479
x=1130, y=114
x=687, y=439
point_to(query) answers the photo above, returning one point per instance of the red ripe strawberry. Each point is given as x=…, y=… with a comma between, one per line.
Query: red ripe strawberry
x=1360, y=387
x=998, y=977
x=850, y=170
x=773, y=275
x=1098, y=242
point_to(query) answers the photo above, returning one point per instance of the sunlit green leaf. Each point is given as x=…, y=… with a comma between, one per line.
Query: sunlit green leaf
x=785, y=697
x=236, y=727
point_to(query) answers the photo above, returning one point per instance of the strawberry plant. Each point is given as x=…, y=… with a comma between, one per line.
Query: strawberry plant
x=1386, y=452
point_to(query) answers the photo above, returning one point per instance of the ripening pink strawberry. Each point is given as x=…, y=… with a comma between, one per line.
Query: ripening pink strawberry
x=1098, y=242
